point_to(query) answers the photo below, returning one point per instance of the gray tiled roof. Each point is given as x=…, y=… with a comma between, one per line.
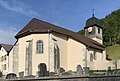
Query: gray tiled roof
x=7, y=47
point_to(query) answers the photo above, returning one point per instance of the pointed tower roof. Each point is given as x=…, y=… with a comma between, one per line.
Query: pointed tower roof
x=93, y=21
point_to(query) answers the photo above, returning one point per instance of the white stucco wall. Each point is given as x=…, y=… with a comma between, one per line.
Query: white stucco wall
x=62, y=45
x=36, y=58
x=76, y=53
x=100, y=63
x=98, y=40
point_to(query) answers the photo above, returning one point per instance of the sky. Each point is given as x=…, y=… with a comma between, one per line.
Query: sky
x=69, y=14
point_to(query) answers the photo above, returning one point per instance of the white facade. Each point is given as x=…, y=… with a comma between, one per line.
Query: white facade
x=70, y=52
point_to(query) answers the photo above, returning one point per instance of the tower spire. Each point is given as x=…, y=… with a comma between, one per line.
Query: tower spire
x=93, y=10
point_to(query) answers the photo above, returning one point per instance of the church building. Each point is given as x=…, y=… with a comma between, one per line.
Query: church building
x=42, y=42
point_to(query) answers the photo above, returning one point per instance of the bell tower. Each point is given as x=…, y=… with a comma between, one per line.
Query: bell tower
x=93, y=29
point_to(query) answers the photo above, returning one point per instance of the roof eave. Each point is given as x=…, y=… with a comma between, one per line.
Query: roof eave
x=31, y=32
x=93, y=25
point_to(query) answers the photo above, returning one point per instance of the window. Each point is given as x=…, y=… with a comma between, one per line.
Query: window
x=4, y=58
x=4, y=67
x=99, y=30
x=1, y=58
x=39, y=46
x=95, y=55
x=91, y=57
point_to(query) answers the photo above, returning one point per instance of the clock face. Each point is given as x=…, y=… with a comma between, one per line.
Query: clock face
x=90, y=29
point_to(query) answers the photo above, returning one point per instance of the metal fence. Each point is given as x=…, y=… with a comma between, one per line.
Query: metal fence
x=71, y=78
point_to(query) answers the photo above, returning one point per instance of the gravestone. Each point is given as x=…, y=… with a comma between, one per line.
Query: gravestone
x=66, y=74
x=109, y=71
x=52, y=74
x=86, y=70
x=42, y=70
x=79, y=70
x=11, y=76
x=62, y=70
x=114, y=72
x=118, y=72
x=21, y=74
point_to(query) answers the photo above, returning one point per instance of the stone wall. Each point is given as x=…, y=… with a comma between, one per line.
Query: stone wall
x=68, y=78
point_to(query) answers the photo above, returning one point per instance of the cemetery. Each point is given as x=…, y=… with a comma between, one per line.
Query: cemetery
x=81, y=74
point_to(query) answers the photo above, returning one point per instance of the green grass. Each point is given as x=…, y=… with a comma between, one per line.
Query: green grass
x=97, y=72
x=101, y=72
x=113, y=52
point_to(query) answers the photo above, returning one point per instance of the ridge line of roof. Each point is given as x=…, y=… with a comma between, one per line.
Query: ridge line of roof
x=40, y=23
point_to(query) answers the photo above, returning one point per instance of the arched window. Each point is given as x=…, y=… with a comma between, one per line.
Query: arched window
x=39, y=46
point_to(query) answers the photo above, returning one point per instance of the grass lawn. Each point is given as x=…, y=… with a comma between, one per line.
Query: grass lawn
x=113, y=52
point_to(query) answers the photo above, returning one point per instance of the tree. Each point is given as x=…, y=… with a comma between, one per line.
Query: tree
x=82, y=32
x=111, y=29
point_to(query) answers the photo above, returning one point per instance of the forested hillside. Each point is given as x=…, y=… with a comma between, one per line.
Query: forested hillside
x=111, y=31
x=111, y=34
